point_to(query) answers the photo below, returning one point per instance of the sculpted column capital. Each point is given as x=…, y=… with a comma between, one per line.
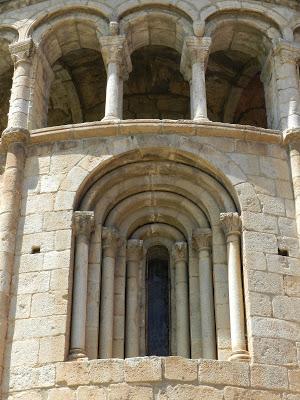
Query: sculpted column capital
x=195, y=50
x=110, y=239
x=22, y=51
x=288, y=52
x=14, y=135
x=83, y=223
x=179, y=251
x=114, y=49
x=202, y=239
x=134, y=249
x=231, y=223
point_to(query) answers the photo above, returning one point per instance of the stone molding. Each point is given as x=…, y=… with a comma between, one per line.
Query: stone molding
x=231, y=223
x=83, y=222
x=22, y=51
x=195, y=49
x=134, y=249
x=148, y=126
x=202, y=239
x=114, y=49
x=179, y=251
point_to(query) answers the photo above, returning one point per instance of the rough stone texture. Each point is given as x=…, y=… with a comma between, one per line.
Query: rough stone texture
x=157, y=181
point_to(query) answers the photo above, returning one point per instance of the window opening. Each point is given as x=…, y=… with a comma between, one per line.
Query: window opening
x=158, y=302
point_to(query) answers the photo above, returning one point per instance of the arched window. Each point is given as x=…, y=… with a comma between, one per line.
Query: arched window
x=158, y=258
x=237, y=56
x=158, y=302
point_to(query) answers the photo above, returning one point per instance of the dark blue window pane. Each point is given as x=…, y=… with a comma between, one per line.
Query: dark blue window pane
x=158, y=308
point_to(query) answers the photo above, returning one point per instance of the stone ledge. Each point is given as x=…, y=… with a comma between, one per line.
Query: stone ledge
x=153, y=126
x=176, y=376
x=153, y=369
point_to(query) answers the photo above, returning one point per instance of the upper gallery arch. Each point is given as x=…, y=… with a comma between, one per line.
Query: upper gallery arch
x=154, y=25
x=68, y=30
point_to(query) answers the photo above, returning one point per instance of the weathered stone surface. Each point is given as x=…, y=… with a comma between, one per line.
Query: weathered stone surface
x=180, y=369
x=61, y=394
x=190, y=392
x=294, y=379
x=72, y=373
x=224, y=373
x=144, y=369
x=106, y=371
x=232, y=393
x=124, y=391
x=274, y=351
x=91, y=393
x=269, y=377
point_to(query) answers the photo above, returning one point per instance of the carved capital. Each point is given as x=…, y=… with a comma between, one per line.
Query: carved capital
x=22, y=51
x=83, y=223
x=134, y=249
x=110, y=238
x=14, y=135
x=195, y=50
x=231, y=223
x=291, y=135
x=114, y=49
x=179, y=251
x=202, y=239
x=288, y=52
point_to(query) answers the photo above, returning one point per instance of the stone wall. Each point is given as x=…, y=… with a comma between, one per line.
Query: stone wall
x=38, y=333
x=171, y=378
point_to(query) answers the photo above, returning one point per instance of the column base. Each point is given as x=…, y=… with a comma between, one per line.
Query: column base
x=201, y=119
x=77, y=355
x=240, y=355
x=110, y=118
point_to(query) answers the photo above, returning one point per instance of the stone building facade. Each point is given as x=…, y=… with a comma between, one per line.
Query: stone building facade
x=150, y=199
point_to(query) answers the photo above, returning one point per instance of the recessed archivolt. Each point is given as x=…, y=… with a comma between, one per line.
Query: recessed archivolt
x=155, y=200
x=149, y=175
x=156, y=206
x=153, y=230
x=206, y=159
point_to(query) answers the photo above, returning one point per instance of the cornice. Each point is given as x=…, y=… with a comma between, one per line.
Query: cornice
x=152, y=127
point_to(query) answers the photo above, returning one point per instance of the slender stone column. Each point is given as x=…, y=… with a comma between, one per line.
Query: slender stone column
x=202, y=243
x=134, y=257
x=281, y=83
x=231, y=225
x=181, y=294
x=117, y=60
x=15, y=143
x=193, y=65
x=22, y=54
x=83, y=226
x=109, y=250
x=287, y=58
